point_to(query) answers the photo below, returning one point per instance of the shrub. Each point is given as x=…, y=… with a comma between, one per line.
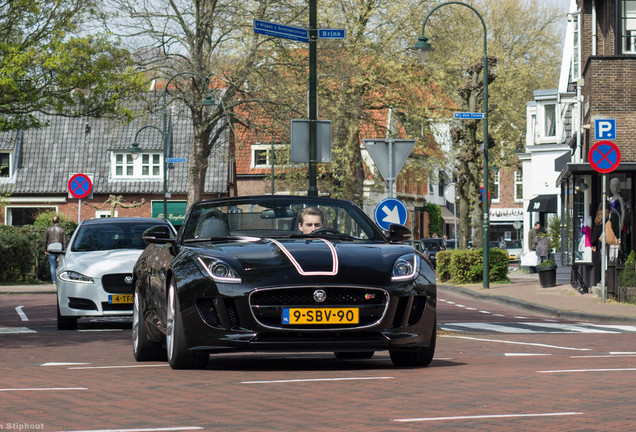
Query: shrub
x=628, y=275
x=16, y=255
x=463, y=266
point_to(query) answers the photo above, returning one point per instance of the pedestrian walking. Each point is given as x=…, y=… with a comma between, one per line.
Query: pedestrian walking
x=54, y=234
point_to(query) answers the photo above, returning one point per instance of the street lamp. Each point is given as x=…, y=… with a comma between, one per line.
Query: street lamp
x=134, y=150
x=423, y=47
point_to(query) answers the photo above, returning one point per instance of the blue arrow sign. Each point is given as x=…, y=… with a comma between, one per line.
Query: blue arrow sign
x=331, y=33
x=281, y=31
x=390, y=211
x=175, y=160
x=605, y=129
x=469, y=115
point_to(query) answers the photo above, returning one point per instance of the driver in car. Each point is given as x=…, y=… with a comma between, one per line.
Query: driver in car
x=310, y=219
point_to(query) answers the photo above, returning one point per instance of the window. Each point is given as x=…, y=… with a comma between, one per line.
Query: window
x=19, y=216
x=5, y=165
x=629, y=26
x=261, y=155
x=549, y=120
x=576, y=48
x=518, y=186
x=147, y=165
x=494, y=193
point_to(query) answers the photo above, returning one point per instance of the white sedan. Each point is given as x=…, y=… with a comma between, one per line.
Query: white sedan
x=94, y=274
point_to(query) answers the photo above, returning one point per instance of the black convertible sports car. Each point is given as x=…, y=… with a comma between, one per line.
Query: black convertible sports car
x=286, y=274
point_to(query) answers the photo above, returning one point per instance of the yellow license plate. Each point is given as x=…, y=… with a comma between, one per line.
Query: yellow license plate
x=321, y=316
x=120, y=299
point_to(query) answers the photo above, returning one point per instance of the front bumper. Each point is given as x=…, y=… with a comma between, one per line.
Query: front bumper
x=91, y=299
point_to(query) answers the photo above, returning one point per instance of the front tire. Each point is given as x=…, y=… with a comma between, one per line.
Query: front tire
x=415, y=357
x=144, y=348
x=179, y=357
x=64, y=322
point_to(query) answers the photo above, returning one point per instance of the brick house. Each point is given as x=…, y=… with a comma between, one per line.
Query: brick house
x=37, y=164
x=598, y=82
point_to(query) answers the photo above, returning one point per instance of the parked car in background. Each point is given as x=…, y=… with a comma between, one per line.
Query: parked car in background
x=514, y=248
x=242, y=276
x=431, y=246
x=94, y=274
x=451, y=244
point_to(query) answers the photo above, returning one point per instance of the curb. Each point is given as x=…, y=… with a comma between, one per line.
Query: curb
x=535, y=307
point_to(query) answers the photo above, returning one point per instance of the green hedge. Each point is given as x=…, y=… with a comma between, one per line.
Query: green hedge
x=464, y=266
x=22, y=257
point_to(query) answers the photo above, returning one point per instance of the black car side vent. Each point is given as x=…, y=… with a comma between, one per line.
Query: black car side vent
x=207, y=311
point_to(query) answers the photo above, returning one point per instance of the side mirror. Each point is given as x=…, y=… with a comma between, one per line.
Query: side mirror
x=398, y=233
x=159, y=234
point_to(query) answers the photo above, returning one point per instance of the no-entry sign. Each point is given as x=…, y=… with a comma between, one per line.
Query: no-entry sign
x=80, y=186
x=604, y=156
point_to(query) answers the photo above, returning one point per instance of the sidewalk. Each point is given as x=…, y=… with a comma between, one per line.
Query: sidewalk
x=562, y=301
x=28, y=289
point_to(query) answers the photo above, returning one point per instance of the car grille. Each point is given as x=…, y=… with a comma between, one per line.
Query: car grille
x=116, y=283
x=267, y=305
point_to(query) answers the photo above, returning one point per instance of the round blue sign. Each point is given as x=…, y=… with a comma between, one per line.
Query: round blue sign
x=390, y=211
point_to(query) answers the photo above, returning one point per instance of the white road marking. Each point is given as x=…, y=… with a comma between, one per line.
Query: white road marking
x=315, y=380
x=521, y=317
x=623, y=352
x=178, y=428
x=118, y=367
x=518, y=343
x=16, y=330
x=498, y=328
x=21, y=313
x=43, y=389
x=99, y=330
x=471, y=309
x=587, y=370
x=524, y=354
x=62, y=364
x=569, y=327
x=605, y=356
x=484, y=312
x=490, y=416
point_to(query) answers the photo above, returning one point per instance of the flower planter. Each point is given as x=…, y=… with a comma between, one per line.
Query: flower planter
x=547, y=276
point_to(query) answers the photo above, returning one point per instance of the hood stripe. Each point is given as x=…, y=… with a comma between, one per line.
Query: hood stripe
x=334, y=258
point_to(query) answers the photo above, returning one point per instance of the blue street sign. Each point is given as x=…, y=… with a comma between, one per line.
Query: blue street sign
x=605, y=129
x=281, y=31
x=175, y=160
x=469, y=115
x=390, y=211
x=331, y=33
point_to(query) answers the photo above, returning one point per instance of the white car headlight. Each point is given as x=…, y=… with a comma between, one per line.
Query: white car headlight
x=405, y=267
x=71, y=276
x=219, y=270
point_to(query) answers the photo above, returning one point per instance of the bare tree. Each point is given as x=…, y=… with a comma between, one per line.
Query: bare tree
x=197, y=46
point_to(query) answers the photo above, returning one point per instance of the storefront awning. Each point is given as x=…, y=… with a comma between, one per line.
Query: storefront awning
x=543, y=204
x=448, y=216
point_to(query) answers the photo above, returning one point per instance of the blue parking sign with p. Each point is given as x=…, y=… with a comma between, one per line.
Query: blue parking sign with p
x=605, y=129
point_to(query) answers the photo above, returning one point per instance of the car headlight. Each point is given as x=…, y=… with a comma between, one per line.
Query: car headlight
x=219, y=270
x=405, y=267
x=71, y=276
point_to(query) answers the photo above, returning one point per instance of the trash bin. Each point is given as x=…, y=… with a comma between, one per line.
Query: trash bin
x=547, y=276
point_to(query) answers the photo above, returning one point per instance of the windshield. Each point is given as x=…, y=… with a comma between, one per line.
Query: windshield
x=108, y=236
x=278, y=217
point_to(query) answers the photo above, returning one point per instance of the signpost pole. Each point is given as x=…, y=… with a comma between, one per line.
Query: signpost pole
x=391, y=178
x=313, y=99
x=604, y=244
x=79, y=211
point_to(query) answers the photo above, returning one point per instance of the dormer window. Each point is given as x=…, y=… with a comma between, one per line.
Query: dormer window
x=146, y=166
x=5, y=164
